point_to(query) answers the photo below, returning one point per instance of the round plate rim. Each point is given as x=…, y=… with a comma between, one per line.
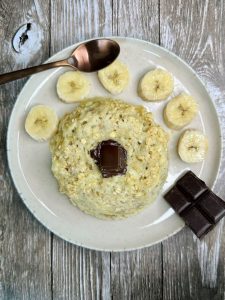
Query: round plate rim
x=44, y=222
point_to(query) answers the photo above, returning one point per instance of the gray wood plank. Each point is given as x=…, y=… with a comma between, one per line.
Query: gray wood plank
x=74, y=21
x=137, y=274
x=25, y=258
x=139, y=19
x=194, y=269
x=79, y=273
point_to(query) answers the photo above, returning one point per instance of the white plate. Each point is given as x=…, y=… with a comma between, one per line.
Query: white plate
x=30, y=161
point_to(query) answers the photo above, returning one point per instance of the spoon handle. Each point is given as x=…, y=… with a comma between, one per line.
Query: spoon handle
x=29, y=71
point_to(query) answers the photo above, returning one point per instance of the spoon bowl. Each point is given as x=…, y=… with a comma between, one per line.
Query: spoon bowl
x=95, y=55
x=88, y=57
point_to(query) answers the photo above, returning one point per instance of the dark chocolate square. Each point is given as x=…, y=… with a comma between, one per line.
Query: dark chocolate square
x=177, y=200
x=110, y=157
x=212, y=206
x=191, y=185
x=197, y=222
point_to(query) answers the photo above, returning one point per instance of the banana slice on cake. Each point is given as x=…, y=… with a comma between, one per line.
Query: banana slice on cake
x=72, y=86
x=115, y=77
x=41, y=122
x=192, y=146
x=180, y=111
x=155, y=85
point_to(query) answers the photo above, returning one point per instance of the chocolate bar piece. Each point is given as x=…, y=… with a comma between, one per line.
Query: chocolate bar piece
x=212, y=206
x=177, y=200
x=110, y=157
x=191, y=185
x=197, y=222
x=199, y=207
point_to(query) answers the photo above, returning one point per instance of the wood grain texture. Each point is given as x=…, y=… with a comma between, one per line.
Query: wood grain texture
x=193, y=269
x=79, y=273
x=74, y=21
x=137, y=274
x=139, y=19
x=25, y=248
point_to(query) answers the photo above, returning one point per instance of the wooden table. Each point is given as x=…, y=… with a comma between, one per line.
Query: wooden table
x=34, y=263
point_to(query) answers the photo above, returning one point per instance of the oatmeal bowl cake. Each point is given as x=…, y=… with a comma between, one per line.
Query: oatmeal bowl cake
x=109, y=157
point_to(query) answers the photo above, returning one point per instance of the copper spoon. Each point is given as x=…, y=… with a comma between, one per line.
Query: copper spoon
x=87, y=57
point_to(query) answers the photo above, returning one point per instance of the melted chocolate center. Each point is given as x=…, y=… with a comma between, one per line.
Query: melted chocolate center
x=110, y=157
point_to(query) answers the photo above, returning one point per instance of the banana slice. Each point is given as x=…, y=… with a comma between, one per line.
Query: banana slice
x=180, y=111
x=72, y=86
x=155, y=85
x=192, y=146
x=115, y=77
x=41, y=122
